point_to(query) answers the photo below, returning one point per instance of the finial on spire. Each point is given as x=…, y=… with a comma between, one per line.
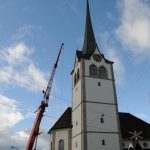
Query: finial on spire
x=89, y=38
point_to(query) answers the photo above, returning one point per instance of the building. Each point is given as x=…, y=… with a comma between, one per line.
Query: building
x=61, y=133
x=94, y=122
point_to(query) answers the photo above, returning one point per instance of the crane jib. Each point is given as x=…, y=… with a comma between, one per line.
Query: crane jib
x=44, y=103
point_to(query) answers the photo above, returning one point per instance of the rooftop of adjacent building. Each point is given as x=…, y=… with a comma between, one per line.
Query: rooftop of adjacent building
x=128, y=122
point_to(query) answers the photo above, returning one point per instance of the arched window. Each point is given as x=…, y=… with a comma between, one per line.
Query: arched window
x=138, y=146
x=75, y=79
x=103, y=72
x=145, y=144
x=51, y=145
x=78, y=75
x=93, y=70
x=61, y=145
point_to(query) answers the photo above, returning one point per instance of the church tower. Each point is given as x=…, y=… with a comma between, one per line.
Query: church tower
x=94, y=102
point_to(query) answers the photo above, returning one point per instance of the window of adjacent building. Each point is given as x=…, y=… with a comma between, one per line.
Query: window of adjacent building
x=93, y=70
x=78, y=75
x=99, y=84
x=145, y=144
x=103, y=72
x=76, y=144
x=102, y=118
x=103, y=142
x=51, y=145
x=123, y=145
x=61, y=145
x=76, y=89
x=76, y=123
x=75, y=79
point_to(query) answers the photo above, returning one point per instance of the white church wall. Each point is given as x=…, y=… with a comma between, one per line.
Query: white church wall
x=126, y=143
x=76, y=121
x=98, y=64
x=76, y=142
x=76, y=88
x=100, y=99
x=103, y=93
x=52, y=140
x=94, y=141
x=58, y=135
x=76, y=109
x=76, y=95
x=94, y=114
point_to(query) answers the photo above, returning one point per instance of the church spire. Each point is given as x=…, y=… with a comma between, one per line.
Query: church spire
x=89, y=39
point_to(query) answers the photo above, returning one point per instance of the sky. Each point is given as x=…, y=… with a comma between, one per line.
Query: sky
x=31, y=33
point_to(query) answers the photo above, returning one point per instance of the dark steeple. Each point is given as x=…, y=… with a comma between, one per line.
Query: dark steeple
x=89, y=39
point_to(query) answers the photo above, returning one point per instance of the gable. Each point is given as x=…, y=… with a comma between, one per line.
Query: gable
x=64, y=121
x=128, y=122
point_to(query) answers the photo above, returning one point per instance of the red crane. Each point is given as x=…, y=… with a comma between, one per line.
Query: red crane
x=44, y=103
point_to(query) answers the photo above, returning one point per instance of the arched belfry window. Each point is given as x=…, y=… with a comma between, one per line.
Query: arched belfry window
x=78, y=75
x=93, y=70
x=61, y=145
x=75, y=79
x=103, y=72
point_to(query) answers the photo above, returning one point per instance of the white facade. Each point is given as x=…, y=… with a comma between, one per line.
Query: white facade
x=92, y=98
x=77, y=108
x=145, y=144
x=61, y=134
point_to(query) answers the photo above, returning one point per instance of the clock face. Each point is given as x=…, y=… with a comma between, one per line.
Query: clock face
x=97, y=57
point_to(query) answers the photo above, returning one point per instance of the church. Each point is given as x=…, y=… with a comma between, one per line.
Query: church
x=93, y=122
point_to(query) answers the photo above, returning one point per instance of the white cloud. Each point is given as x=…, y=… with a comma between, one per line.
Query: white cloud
x=11, y=118
x=26, y=31
x=38, y=76
x=134, y=30
x=80, y=41
x=6, y=74
x=110, y=16
x=16, y=54
x=142, y=115
x=112, y=55
x=18, y=68
x=72, y=5
x=31, y=77
x=118, y=66
x=5, y=137
x=20, y=139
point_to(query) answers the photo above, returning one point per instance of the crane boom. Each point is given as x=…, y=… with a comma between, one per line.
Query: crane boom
x=44, y=103
x=49, y=86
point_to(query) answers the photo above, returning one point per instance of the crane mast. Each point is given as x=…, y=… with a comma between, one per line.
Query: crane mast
x=44, y=103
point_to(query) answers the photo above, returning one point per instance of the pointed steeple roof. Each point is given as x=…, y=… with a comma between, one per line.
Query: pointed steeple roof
x=90, y=44
x=89, y=38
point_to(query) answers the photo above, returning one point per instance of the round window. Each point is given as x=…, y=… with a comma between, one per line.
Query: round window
x=145, y=144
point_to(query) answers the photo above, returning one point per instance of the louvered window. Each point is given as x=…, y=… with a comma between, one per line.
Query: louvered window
x=93, y=70
x=103, y=72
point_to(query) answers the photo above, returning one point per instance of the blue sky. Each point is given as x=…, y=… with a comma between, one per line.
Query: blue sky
x=31, y=33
